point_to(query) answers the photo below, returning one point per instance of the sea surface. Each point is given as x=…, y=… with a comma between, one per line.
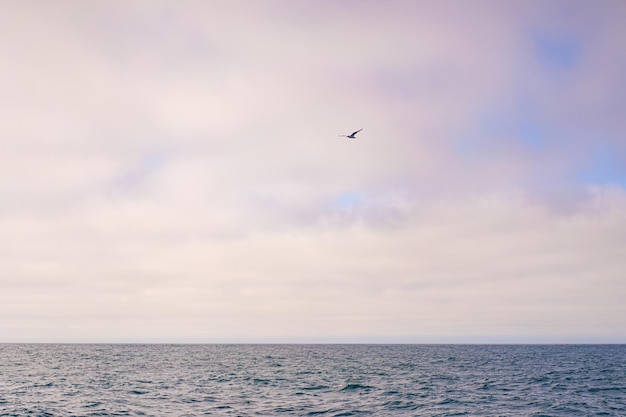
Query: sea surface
x=312, y=380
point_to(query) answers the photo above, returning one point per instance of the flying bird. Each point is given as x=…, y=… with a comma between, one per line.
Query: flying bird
x=351, y=135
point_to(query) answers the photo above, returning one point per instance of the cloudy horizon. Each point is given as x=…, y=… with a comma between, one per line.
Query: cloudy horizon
x=173, y=171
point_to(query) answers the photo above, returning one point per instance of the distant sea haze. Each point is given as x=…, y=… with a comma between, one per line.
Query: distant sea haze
x=312, y=380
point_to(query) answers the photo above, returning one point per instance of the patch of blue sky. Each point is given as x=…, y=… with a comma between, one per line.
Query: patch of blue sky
x=604, y=166
x=562, y=53
x=348, y=200
x=532, y=135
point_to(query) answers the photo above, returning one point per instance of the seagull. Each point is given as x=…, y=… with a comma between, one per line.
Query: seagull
x=351, y=135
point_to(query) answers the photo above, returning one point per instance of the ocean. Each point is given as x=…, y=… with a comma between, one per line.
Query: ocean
x=312, y=380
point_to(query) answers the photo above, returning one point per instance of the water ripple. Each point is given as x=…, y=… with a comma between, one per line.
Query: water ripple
x=313, y=380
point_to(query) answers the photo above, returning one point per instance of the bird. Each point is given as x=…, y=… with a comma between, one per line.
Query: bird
x=351, y=135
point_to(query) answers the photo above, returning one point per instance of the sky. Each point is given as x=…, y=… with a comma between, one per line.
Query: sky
x=171, y=171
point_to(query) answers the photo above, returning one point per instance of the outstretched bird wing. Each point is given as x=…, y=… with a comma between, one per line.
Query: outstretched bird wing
x=354, y=133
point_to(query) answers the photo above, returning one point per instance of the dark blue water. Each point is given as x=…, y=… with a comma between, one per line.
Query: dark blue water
x=312, y=380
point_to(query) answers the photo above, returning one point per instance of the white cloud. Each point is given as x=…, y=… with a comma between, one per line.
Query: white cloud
x=488, y=267
x=173, y=172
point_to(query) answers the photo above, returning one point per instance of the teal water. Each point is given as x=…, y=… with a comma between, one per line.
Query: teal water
x=312, y=380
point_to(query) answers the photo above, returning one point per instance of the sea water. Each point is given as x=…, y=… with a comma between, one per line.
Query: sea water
x=312, y=380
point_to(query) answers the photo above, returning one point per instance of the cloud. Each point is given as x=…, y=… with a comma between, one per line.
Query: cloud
x=173, y=172
x=490, y=267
